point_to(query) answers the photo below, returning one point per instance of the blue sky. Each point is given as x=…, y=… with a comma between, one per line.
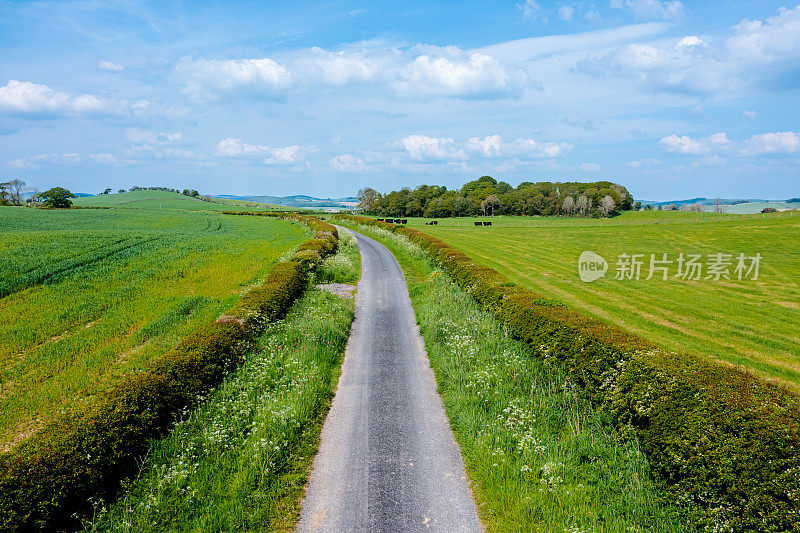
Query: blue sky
x=672, y=99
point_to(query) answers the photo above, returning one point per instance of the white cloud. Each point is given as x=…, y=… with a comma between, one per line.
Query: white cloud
x=749, y=114
x=689, y=40
x=649, y=9
x=286, y=155
x=644, y=163
x=453, y=72
x=347, y=163
x=108, y=66
x=354, y=65
x=26, y=97
x=533, y=148
x=565, y=13
x=410, y=72
x=758, y=54
x=425, y=148
x=262, y=78
x=489, y=146
x=591, y=167
x=688, y=145
x=783, y=142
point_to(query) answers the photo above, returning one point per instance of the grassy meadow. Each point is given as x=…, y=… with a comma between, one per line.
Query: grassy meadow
x=753, y=323
x=165, y=200
x=539, y=458
x=87, y=296
x=240, y=462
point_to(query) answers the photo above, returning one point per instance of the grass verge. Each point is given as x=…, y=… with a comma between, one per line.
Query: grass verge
x=540, y=458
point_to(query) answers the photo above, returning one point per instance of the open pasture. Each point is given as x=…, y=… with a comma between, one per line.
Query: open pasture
x=754, y=323
x=87, y=296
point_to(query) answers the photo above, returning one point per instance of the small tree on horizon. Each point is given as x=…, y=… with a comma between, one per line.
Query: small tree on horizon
x=366, y=198
x=57, y=197
x=108, y=190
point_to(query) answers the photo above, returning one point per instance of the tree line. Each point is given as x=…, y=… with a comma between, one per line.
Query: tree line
x=486, y=196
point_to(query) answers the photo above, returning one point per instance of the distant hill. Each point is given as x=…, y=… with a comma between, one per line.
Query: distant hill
x=148, y=199
x=733, y=205
x=297, y=200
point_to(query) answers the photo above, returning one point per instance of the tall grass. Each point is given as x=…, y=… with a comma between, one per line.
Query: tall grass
x=540, y=458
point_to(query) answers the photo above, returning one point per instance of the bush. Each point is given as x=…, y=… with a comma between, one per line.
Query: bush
x=46, y=482
x=725, y=444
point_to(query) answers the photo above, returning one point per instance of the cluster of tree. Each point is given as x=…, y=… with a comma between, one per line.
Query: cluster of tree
x=186, y=192
x=11, y=192
x=486, y=196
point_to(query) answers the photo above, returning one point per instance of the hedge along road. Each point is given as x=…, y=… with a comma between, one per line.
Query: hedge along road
x=387, y=459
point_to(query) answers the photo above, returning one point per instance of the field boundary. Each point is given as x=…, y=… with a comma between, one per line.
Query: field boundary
x=724, y=443
x=49, y=480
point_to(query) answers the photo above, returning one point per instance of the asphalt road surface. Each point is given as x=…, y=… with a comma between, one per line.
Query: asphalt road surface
x=388, y=460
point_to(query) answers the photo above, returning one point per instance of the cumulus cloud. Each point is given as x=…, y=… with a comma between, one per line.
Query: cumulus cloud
x=784, y=142
x=262, y=78
x=286, y=155
x=24, y=97
x=417, y=71
x=591, y=167
x=347, y=163
x=108, y=66
x=757, y=54
x=651, y=9
x=425, y=148
x=453, y=72
x=688, y=145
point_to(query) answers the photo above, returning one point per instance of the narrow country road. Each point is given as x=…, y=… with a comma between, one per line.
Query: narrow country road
x=387, y=460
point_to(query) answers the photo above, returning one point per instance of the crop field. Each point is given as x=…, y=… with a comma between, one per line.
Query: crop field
x=753, y=322
x=165, y=200
x=87, y=296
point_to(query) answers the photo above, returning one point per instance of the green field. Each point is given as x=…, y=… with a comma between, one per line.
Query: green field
x=87, y=296
x=145, y=199
x=241, y=460
x=753, y=323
